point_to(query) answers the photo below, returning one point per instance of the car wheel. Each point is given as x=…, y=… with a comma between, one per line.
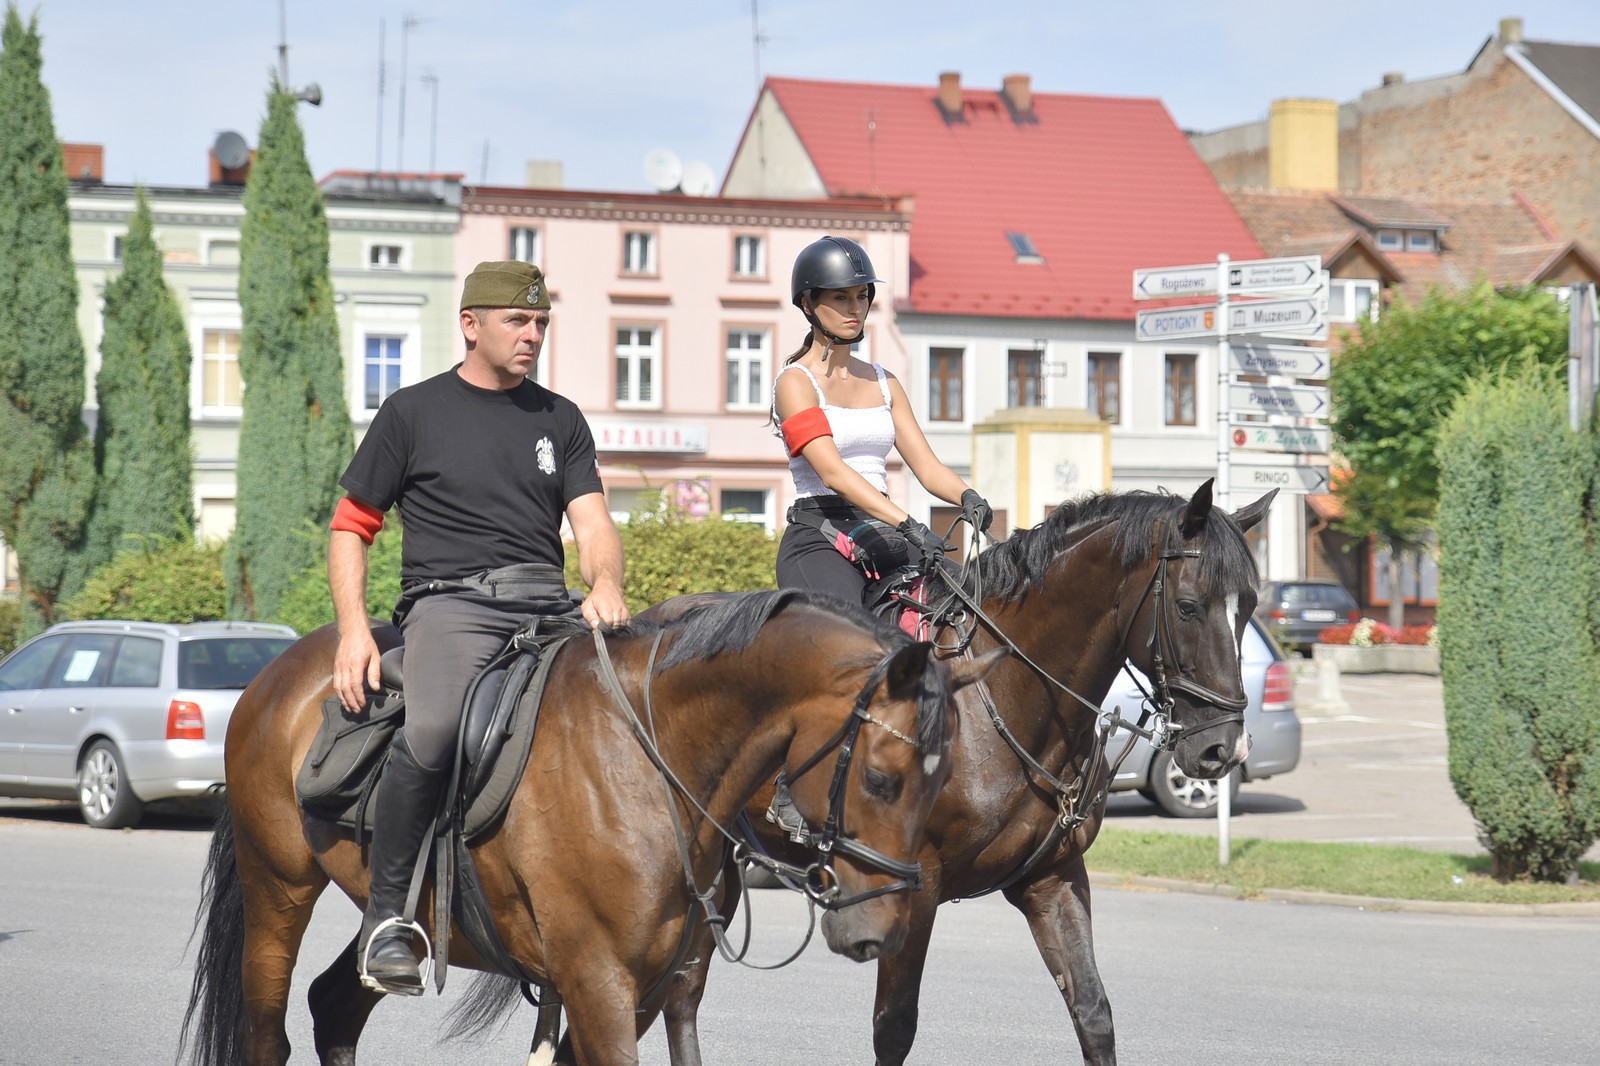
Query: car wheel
x=104, y=795
x=1182, y=796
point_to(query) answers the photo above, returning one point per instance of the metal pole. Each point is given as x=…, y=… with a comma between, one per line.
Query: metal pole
x=1581, y=355
x=381, y=72
x=283, y=47
x=407, y=24
x=431, y=80
x=1219, y=498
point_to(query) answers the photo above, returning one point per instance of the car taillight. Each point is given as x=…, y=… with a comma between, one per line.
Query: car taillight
x=185, y=721
x=1354, y=616
x=1278, y=614
x=1279, y=691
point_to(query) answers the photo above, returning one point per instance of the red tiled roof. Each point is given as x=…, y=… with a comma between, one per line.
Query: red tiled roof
x=1102, y=186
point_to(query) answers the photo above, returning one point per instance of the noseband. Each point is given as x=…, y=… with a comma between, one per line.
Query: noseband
x=821, y=881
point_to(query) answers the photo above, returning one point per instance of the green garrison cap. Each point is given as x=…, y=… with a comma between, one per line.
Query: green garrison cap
x=505, y=284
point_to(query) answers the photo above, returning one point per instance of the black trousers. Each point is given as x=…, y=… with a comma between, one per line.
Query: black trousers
x=808, y=560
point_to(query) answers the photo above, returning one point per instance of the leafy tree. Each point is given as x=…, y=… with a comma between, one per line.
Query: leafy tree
x=1519, y=630
x=670, y=554
x=308, y=604
x=1393, y=386
x=46, y=461
x=295, y=436
x=142, y=448
x=160, y=579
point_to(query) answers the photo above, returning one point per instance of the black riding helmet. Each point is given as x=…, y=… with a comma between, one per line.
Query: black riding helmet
x=831, y=263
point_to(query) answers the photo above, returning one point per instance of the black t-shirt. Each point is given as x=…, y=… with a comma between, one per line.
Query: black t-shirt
x=482, y=476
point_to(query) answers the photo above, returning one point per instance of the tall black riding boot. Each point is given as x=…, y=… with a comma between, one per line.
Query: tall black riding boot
x=408, y=801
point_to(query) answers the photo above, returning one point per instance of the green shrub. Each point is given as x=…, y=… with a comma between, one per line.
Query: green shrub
x=670, y=554
x=308, y=604
x=162, y=580
x=10, y=623
x=1518, y=642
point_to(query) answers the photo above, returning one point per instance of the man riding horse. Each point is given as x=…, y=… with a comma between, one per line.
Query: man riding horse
x=482, y=463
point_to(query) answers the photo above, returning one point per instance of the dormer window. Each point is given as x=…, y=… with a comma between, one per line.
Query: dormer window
x=1022, y=247
x=1420, y=241
x=1390, y=240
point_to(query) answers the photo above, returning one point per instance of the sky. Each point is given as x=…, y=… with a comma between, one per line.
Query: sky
x=596, y=85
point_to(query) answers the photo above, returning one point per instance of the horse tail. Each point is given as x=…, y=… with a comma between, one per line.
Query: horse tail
x=489, y=1001
x=216, y=1000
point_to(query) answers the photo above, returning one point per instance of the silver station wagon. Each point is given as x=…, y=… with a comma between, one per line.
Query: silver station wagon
x=119, y=714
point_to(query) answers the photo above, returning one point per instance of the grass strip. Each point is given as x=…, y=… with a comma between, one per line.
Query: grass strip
x=1347, y=869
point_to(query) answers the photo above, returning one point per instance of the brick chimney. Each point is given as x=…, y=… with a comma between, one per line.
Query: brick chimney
x=949, y=99
x=84, y=162
x=221, y=175
x=1303, y=144
x=1510, y=31
x=1018, y=92
x=1393, y=77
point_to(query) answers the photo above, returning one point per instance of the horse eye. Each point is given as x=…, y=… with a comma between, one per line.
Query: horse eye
x=883, y=786
x=1188, y=610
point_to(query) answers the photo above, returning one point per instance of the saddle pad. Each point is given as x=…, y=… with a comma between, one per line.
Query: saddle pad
x=342, y=772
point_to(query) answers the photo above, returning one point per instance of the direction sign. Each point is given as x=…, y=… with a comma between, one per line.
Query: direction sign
x=1170, y=323
x=1265, y=437
x=1250, y=480
x=1245, y=276
x=1304, y=401
x=1284, y=360
x=1276, y=316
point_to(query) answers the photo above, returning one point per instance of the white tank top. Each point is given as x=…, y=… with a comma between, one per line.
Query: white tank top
x=863, y=436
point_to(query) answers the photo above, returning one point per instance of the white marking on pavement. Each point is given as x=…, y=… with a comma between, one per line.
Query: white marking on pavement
x=1313, y=719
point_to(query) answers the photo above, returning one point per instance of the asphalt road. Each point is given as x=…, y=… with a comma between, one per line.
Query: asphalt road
x=93, y=930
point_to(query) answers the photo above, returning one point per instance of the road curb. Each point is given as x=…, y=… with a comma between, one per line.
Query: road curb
x=1105, y=879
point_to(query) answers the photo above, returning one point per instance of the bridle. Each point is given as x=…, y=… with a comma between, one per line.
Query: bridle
x=821, y=882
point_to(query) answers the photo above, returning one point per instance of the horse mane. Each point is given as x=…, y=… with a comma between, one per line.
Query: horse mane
x=1017, y=566
x=732, y=626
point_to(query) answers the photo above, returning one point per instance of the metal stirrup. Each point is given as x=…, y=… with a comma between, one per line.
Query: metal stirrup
x=424, y=968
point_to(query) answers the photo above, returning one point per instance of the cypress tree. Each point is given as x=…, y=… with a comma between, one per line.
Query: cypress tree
x=295, y=436
x=46, y=461
x=1519, y=642
x=142, y=447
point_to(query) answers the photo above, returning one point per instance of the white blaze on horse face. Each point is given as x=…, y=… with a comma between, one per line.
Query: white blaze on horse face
x=930, y=763
x=1231, y=605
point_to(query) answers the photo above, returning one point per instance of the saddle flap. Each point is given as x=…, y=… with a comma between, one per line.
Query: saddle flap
x=348, y=746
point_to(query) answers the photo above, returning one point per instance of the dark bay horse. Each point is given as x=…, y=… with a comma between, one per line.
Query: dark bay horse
x=586, y=872
x=1164, y=582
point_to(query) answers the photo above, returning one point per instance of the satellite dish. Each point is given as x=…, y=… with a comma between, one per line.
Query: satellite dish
x=231, y=150
x=662, y=169
x=698, y=180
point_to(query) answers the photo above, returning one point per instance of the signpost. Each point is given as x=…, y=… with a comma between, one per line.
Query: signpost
x=1294, y=440
x=1245, y=276
x=1175, y=323
x=1283, y=360
x=1277, y=316
x=1301, y=401
x=1286, y=476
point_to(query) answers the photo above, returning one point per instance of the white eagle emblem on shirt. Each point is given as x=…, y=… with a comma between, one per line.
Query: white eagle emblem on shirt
x=545, y=452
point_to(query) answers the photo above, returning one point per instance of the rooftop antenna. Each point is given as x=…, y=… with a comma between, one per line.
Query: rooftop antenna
x=757, y=39
x=407, y=24
x=483, y=173
x=283, y=46
x=381, y=72
x=431, y=80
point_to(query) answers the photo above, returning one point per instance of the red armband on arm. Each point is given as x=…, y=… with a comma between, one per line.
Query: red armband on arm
x=804, y=428
x=353, y=516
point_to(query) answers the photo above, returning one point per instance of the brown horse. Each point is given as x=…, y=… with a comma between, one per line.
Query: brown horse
x=586, y=872
x=1164, y=582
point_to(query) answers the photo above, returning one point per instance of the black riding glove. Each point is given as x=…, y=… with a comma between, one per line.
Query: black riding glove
x=923, y=539
x=977, y=510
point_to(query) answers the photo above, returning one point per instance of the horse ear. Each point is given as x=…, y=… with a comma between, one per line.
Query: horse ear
x=969, y=671
x=1199, y=509
x=1251, y=513
x=906, y=669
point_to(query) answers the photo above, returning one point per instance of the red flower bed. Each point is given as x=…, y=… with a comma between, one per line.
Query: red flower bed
x=1381, y=634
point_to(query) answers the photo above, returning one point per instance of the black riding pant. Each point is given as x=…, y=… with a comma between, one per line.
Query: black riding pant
x=808, y=560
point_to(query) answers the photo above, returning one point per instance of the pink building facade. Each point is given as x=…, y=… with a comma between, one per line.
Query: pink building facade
x=670, y=316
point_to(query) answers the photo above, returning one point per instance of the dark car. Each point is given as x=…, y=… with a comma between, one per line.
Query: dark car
x=1294, y=612
x=1269, y=718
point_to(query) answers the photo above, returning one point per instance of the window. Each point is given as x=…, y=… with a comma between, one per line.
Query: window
x=1105, y=385
x=944, y=384
x=749, y=257
x=222, y=253
x=1419, y=241
x=138, y=664
x=1024, y=383
x=384, y=257
x=1350, y=299
x=638, y=356
x=28, y=667
x=747, y=361
x=381, y=371
x=116, y=247
x=746, y=505
x=84, y=664
x=526, y=245
x=638, y=253
x=1389, y=240
x=1180, y=390
x=220, y=385
x=1022, y=247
